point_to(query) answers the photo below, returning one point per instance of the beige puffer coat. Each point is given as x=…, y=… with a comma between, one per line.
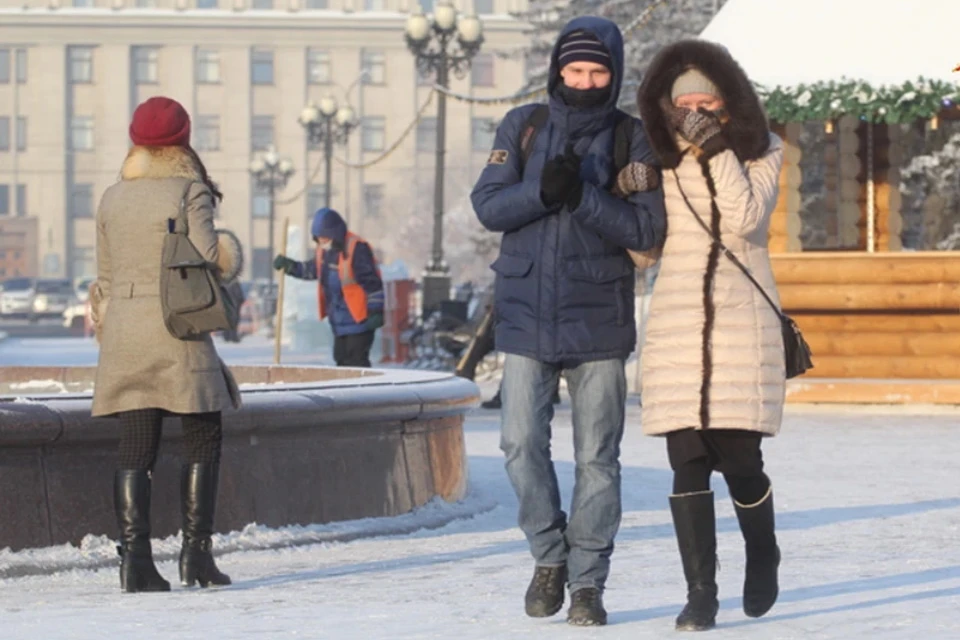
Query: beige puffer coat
x=715, y=359
x=141, y=365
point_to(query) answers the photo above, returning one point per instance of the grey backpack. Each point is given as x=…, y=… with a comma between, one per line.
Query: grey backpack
x=193, y=300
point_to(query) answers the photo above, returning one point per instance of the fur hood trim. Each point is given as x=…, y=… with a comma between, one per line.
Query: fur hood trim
x=160, y=162
x=229, y=256
x=747, y=131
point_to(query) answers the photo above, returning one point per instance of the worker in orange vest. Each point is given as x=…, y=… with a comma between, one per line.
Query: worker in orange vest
x=350, y=290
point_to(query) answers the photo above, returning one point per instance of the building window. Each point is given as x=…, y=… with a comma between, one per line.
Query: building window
x=373, y=200
x=21, y=199
x=427, y=6
x=261, y=66
x=427, y=135
x=316, y=199
x=4, y=66
x=262, y=263
x=4, y=200
x=145, y=4
x=317, y=4
x=318, y=66
x=81, y=201
x=4, y=133
x=22, y=66
x=81, y=133
x=482, y=131
x=259, y=202
x=80, y=64
x=374, y=66
x=482, y=7
x=145, y=62
x=208, y=66
x=481, y=70
x=373, y=133
x=206, y=133
x=261, y=133
x=84, y=262
x=21, y=133
x=83, y=4
x=207, y=4
x=261, y=4
x=374, y=5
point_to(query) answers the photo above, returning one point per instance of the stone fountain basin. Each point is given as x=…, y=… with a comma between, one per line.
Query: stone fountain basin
x=310, y=445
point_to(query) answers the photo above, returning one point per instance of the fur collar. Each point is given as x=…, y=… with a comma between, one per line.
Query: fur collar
x=747, y=131
x=159, y=162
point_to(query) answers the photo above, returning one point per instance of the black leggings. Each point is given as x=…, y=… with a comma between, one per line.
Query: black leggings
x=140, y=438
x=695, y=454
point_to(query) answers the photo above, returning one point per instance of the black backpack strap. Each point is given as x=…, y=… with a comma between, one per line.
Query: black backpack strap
x=622, y=140
x=535, y=122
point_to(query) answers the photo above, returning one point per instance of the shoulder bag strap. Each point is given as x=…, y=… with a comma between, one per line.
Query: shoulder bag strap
x=180, y=224
x=724, y=248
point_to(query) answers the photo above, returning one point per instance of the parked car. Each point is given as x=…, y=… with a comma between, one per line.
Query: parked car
x=51, y=298
x=16, y=297
x=82, y=288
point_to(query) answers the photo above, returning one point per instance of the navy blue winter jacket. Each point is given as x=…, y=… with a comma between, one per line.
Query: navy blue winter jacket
x=565, y=283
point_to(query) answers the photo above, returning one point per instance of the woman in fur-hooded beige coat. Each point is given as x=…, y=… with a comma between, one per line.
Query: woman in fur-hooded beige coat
x=713, y=361
x=713, y=354
x=142, y=366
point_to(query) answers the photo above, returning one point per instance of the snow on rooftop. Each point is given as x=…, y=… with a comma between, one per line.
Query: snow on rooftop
x=786, y=42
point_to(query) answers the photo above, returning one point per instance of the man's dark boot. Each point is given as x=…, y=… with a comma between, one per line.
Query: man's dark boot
x=696, y=527
x=198, y=498
x=545, y=594
x=131, y=500
x=586, y=608
x=760, y=585
x=493, y=403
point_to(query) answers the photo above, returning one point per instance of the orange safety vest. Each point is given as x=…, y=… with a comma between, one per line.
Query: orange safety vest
x=353, y=293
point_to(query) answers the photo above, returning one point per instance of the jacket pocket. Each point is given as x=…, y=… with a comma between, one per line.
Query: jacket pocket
x=512, y=266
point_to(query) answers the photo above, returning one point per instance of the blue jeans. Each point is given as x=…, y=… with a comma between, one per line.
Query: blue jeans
x=598, y=391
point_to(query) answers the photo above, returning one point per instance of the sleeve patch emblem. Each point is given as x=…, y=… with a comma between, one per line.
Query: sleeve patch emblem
x=498, y=156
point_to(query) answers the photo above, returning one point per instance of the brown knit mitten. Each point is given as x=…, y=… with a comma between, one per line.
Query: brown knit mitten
x=636, y=177
x=699, y=128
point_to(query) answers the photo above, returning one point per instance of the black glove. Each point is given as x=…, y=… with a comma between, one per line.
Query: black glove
x=701, y=128
x=285, y=264
x=560, y=181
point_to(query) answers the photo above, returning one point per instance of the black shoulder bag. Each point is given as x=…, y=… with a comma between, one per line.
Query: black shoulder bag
x=796, y=351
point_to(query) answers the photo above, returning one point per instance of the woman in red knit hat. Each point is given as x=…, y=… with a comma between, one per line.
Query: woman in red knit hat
x=144, y=372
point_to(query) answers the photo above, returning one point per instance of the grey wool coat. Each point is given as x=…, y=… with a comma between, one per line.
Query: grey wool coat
x=142, y=366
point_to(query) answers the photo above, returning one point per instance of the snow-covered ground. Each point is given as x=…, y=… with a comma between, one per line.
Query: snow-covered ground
x=80, y=352
x=869, y=525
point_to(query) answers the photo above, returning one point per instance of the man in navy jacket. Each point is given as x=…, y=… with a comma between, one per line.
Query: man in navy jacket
x=565, y=303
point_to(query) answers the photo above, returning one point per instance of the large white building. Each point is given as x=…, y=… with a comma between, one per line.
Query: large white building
x=71, y=75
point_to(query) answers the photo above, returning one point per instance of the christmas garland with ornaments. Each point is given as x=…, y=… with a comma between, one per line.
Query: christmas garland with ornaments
x=827, y=101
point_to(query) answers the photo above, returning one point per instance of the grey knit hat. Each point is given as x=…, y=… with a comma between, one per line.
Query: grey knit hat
x=693, y=81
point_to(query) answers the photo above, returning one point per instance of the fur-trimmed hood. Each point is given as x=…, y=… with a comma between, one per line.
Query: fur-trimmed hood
x=178, y=162
x=746, y=131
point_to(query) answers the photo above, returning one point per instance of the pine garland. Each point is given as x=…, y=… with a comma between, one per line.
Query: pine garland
x=821, y=101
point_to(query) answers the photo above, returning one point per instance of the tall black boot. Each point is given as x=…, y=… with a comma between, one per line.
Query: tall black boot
x=131, y=500
x=198, y=496
x=696, y=527
x=760, y=585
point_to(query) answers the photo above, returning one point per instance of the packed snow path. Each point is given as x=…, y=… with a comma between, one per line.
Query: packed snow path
x=868, y=521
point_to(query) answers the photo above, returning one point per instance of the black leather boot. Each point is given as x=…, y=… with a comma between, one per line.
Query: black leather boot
x=198, y=498
x=696, y=527
x=760, y=585
x=131, y=500
x=544, y=596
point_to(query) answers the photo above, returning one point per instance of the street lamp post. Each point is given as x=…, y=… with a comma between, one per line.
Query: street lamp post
x=328, y=124
x=271, y=173
x=432, y=41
